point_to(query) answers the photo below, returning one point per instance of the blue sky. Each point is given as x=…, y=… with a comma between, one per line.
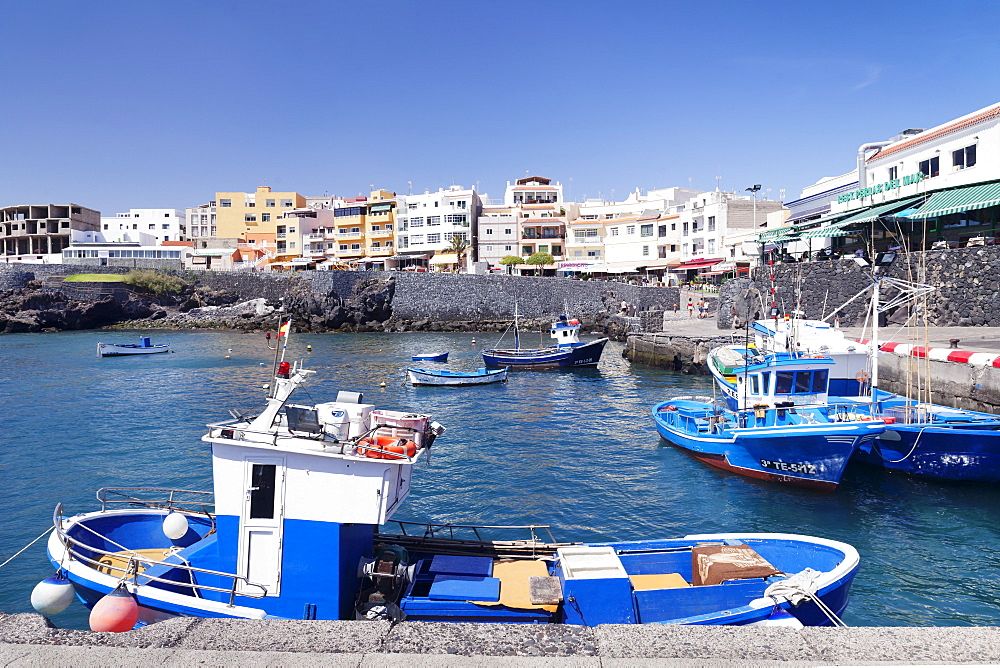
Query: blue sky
x=118, y=105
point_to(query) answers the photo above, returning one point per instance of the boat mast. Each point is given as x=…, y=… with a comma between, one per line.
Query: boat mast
x=517, y=335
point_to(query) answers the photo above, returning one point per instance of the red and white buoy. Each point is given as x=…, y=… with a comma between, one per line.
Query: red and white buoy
x=116, y=612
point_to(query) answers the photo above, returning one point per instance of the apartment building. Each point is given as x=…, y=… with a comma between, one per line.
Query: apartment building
x=39, y=232
x=427, y=223
x=254, y=216
x=148, y=226
x=201, y=223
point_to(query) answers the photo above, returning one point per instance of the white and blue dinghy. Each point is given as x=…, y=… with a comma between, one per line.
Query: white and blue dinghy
x=481, y=376
x=144, y=347
x=291, y=532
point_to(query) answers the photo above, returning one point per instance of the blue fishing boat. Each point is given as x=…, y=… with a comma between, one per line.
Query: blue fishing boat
x=481, y=376
x=773, y=423
x=567, y=352
x=431, y=357
x=291, y=532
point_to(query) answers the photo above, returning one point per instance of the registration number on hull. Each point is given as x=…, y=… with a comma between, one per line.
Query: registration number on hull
x=804, y=468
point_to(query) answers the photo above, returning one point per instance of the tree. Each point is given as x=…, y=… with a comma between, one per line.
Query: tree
x=509, y=261
x=459, y=246
x=539, y=259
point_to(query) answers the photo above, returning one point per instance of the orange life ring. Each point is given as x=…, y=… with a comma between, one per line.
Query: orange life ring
x=387, y=447
x=861, y=376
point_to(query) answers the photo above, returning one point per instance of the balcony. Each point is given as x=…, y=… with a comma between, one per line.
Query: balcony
x=349, y=235
x=314, y=237
x=531, y=234
x=380, y=233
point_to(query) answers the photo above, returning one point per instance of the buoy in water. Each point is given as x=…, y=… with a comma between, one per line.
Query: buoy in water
x=382, y=384
x=52, y=595
x=473, y=342
x=227, y=356
x=309, y=348
x=175, y=526
x=116, y=612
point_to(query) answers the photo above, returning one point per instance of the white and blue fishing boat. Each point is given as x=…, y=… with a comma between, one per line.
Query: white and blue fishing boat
x=774, y=422
x=922, y=438
x=568, y=351
x=291, y=532
x=144, y=347
x=481, y=376
x=431, y=357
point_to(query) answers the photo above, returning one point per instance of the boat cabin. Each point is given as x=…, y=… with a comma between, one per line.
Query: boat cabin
x=749, y=379
x=565, y=331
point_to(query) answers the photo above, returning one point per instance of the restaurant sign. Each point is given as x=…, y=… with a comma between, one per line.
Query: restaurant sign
x=891, y=184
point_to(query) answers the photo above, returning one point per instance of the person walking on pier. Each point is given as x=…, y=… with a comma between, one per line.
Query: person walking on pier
x=690, y=308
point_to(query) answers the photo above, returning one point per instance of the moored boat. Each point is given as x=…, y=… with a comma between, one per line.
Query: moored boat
x=774, y=422
x=430, y=357
x=481, y=376
x=567, y=352
x=144, y=347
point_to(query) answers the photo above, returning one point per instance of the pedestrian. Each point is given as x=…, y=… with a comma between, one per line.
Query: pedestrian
x=677, y=308
x=624, y=307
x=690, y=308
x=701, y=309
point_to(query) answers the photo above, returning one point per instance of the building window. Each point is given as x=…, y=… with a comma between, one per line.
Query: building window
x=557, y=250
x=930, y=168
x=434, y=238
x=694, y=226
x=376, y=228
x=489, y=230
x=343, y=247
x=249, y=218
x=286, y=202
x=614, y=231
x=711, y=245
x=265, y=217
x=507, y=230
x=711, y=223
x=661, y=231
x=893, y=173
x=417, y=239
x=417, y=222
x=645, y=251
x=964, y=157
x=685, y=232
x=630, y=230
x=609, y=216
x=673, y=227
x=225, y=202
x=456, y=219
x=433, y=220
x=646, y=230
x=508, y=248
x=411, y=207
x=526, y=250
x=165, y=226
x=593, y=253
x=355, y=246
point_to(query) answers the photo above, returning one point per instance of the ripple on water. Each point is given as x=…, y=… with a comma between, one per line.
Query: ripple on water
x=576, y=450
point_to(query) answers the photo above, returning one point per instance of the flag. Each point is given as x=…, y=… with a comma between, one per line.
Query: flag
x=283, y=330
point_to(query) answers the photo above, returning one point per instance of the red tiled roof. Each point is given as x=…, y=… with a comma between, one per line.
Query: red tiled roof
x=984, y=115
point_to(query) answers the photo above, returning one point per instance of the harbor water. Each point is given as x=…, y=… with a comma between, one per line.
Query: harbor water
x=576, y=450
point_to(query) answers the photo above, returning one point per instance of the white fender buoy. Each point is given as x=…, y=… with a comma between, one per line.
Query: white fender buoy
x=309, y=348
x=473, y=342
x=116, y=612
x=382, y=384
x=175, y=526
x=52, y=595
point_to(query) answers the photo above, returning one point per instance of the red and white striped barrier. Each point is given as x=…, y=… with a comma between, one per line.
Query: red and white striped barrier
x=939, y=354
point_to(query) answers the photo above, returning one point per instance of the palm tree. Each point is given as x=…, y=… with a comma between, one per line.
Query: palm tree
x=459, y=246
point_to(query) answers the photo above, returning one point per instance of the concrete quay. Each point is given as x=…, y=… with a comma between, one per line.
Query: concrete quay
x=29, y=640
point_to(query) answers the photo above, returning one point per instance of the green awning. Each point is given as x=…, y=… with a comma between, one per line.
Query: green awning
x=969, y=198
x=385, y=206
x=874, y=213
x=828, y=232
x=780, y=233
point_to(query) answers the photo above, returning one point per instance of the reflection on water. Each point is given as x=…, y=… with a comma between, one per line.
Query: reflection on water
x=573, y=449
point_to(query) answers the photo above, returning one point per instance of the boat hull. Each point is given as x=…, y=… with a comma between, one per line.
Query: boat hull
x=802, y=455
x=119, y=350
x=440, y=357
x=566, y=356
x=455, y=378
x=943, y=453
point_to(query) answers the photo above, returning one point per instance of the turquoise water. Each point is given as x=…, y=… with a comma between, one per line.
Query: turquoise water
x=576, y=450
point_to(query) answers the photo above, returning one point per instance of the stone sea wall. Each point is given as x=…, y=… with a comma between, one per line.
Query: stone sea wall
x=967, y=282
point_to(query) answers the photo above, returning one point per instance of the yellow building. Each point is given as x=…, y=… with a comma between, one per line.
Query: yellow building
x=380, y=224
x=253, y=217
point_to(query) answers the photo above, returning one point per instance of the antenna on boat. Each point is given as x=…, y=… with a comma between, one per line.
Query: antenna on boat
x=517, y=333
x=280, y=348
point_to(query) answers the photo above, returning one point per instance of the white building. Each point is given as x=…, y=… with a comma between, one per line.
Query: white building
x=158, y=225
x=200, y=222
x=426, y=224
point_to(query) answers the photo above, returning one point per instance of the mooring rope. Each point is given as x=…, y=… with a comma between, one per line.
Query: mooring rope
x=26, y=547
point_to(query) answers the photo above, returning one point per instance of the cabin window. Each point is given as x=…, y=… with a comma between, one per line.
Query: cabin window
x=755, y=384
x=819, y=381
x=767, y=383
x=784, y=382
x=803, y=382
x=262, y=491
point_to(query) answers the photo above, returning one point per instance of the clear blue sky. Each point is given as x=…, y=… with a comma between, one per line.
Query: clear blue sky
x=115, y=105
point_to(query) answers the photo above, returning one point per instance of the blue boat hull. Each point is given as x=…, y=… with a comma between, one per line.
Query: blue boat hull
x=803, y=455
x=441, y=357
x=963, y=454
x=566, y=356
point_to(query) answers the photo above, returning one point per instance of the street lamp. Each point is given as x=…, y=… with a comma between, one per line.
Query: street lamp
x=753, y=190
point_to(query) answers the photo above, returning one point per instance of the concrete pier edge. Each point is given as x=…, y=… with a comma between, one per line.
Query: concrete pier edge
x=30, y=639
